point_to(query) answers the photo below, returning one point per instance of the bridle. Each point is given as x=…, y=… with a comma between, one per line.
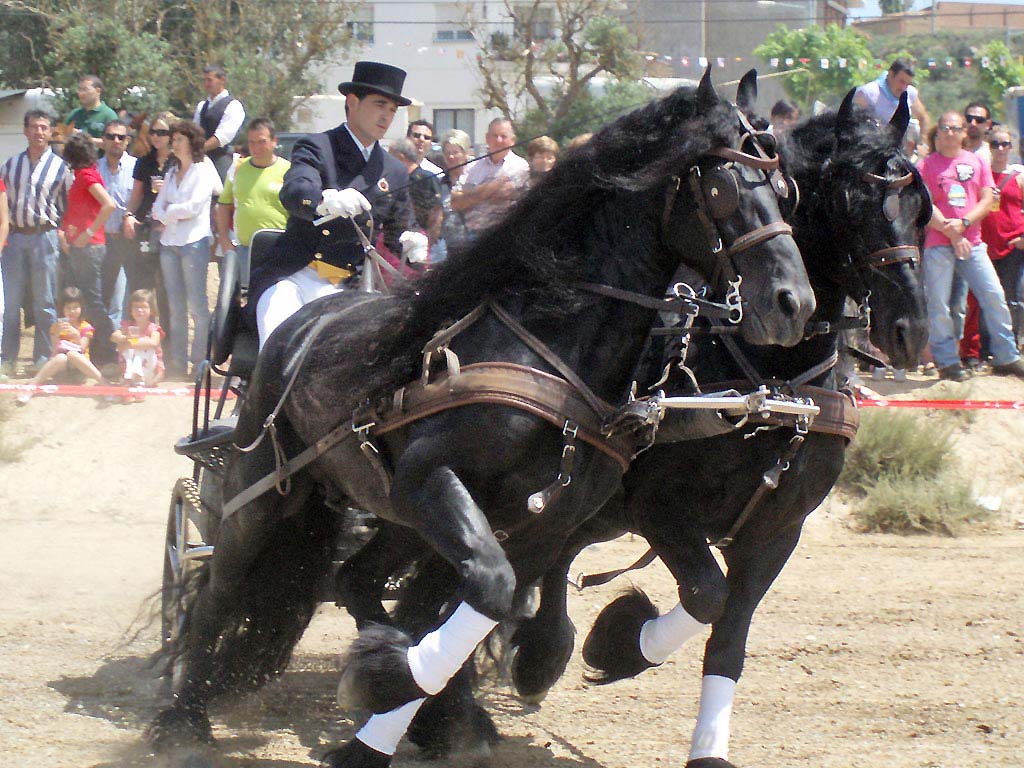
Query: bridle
x=895, y=254
x=716, y=194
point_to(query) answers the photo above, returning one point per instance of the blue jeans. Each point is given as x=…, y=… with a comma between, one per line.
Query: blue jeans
x=244, y=264
x=29, y=260
x=981, y=278
x=85, y=271
x=184, y=271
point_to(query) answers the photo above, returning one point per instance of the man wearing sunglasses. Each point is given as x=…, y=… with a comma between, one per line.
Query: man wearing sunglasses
x=117, y=169
x=421, y=134
x=961, y=185
x=978, y=122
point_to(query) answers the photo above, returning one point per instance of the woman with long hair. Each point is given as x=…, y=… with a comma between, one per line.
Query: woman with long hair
x=81, y=232
x=183, y=207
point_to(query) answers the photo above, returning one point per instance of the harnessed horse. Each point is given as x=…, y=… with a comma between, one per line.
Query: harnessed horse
x=570, y=284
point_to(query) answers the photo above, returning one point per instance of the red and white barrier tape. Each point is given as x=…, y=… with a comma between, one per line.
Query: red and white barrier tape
x=945, y=405
x=102, y=390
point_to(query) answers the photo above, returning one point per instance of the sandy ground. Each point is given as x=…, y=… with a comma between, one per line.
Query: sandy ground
x=870, y=650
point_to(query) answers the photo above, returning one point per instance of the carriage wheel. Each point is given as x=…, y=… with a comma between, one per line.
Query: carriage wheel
x=185, y=555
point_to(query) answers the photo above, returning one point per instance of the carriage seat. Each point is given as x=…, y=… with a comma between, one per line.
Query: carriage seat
x=212, y=446
x=232, y=332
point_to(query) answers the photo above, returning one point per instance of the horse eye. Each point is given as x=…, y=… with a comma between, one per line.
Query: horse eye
x=768, y=143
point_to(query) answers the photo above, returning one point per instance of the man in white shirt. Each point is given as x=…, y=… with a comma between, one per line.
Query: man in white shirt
x=882, y=96
x=421, y=134
x=220, y=116
x=493, y=183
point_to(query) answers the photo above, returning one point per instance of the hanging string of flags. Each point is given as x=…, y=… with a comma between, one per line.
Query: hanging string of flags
x=701, y=62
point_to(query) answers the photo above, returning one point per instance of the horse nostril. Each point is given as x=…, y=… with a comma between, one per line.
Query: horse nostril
x=788, y=303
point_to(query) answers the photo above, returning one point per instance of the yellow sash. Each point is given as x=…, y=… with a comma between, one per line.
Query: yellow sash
x=330, y=272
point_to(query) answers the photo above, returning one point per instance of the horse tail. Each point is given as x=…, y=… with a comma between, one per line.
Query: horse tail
x=275, y=605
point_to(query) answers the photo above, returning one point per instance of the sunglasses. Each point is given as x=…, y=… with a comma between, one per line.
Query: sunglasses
x=160, y=132
x=426, y=136
x=1000, y=144
x=951, y=128
x=979, y=119
x=116, y=136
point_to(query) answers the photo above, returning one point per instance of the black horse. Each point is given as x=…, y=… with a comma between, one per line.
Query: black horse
x=570, y=283
x=857, y=225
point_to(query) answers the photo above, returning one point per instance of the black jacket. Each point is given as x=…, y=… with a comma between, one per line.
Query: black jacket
x=331, y=160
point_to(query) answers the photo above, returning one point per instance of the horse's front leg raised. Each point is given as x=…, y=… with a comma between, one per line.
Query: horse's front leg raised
x=384, y=672
x=629, y=636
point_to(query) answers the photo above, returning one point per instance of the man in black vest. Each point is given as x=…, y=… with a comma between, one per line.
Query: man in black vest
x=220, y=116
x=342, y=172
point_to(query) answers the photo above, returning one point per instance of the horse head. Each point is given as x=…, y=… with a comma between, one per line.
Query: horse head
x=878, y=203
x=730, y=227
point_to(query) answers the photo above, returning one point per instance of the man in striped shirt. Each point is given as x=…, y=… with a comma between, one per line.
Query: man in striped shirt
x=37, y=181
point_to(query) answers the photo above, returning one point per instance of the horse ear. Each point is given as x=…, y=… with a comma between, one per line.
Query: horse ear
x=706, y=96
x=900, y=120
x=746, y=92
x=845, y=120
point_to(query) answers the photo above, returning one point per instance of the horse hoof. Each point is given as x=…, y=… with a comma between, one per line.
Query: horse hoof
x=453, y=729
x=355, y=754
x=176, y=729
x=533, y=699
x=613, y=646
x=709, y=762
x=375, y=674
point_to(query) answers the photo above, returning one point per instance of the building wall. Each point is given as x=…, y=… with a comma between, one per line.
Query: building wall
x=947, y=16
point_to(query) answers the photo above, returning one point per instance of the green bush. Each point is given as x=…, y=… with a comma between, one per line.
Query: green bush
x=919, y=505
x=897, y=446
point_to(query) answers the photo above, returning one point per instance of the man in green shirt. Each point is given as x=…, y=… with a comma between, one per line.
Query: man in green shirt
x=250, y=197
x=93, y=115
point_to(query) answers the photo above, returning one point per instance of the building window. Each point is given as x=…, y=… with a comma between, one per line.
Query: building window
x=451, y=24
x=447, y=119
x=543, y=22
x=360, y=24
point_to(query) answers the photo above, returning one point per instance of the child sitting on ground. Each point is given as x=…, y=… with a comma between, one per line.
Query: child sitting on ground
x=70, y=337
x=138, y=344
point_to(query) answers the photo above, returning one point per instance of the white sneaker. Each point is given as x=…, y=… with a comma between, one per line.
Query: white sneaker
x=878, y=373
x=899, y=374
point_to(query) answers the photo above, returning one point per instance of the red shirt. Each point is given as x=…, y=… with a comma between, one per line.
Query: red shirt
x=83, y=207
x=1001, y=226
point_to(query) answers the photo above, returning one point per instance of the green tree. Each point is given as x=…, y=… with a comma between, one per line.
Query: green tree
x=812, y=44
x=894, y=6
x=1003, y=71
x=539, y=69
x=150, y=53
x=586, y=114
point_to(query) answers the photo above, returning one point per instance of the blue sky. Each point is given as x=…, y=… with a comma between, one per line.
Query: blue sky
x=871, y=6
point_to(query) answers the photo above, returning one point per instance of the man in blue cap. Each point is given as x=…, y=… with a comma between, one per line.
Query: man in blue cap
x=342, y=172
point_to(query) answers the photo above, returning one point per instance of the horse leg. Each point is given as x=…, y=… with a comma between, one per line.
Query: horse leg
x=360, y=581
x=240, y=540
x=384, y=672
x=753, y=565
x=629, y=636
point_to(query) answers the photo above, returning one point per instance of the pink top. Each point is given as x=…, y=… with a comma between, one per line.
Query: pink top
x=955, y=184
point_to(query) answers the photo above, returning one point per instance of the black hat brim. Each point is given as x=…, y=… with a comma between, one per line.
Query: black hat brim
x=361, y=89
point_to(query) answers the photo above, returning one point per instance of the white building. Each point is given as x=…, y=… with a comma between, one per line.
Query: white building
x=430, y=42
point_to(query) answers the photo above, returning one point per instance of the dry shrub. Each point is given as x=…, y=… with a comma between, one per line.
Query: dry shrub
x=939, y=505
x=904, y=468
x=897, y=446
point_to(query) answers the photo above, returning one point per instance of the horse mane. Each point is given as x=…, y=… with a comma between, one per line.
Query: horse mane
x=545, y=244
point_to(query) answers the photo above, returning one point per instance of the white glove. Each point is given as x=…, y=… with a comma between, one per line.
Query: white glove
x=343, y=202
x=414, y=247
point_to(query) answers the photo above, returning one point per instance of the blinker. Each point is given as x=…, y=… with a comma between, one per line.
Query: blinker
x=891, y=205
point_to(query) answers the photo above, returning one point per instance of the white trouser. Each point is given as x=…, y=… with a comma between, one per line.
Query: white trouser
x=285, y=297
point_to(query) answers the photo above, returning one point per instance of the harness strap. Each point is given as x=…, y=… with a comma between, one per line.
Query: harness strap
x=815, y=371
x=597, y=579
x=892, y=255
x=681, y=305
x=769, y=482
x=742, y=361
x=758, y=236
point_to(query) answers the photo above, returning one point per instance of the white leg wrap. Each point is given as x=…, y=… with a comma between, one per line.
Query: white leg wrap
x=661, y=637
x=711, y=736
x=438, y=656
x=383, y=732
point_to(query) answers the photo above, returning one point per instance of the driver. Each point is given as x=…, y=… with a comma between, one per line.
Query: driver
x=342, y=172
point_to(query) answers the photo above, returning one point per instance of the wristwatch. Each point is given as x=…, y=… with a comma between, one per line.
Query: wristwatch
x=966, y=222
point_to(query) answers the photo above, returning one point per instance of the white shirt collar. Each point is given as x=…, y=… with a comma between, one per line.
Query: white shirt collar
x=367, y=151
x=222, y=95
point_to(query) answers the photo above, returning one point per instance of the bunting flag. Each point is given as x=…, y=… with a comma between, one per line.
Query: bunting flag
x=701, y=62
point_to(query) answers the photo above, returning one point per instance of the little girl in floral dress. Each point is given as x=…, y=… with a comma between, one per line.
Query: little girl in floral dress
x=138, y=344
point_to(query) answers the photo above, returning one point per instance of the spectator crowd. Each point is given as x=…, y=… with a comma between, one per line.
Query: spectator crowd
x=108, y=243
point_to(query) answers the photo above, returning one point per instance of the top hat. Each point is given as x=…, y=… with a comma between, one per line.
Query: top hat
x=372, y=77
